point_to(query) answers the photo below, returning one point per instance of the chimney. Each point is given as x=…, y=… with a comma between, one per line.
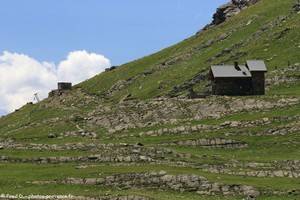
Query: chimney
x=236, y=66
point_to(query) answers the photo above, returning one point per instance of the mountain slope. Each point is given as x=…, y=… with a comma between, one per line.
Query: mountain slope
x=132, y=133
x=267, y=30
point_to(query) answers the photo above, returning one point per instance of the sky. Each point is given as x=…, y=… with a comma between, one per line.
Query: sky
x=42, y=42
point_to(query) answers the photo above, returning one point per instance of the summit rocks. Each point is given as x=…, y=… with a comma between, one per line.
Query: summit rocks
x=230, y=9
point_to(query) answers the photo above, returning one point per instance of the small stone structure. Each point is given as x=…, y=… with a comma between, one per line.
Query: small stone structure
x=111, y=68
x=61, y=87
x=64, y=86
x=248, y=79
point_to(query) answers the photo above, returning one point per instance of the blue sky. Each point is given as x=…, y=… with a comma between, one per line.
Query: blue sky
x=45, y=41
x=122, y=30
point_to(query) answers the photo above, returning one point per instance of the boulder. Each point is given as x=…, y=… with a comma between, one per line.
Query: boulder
x=296, y=7
x=52, y=135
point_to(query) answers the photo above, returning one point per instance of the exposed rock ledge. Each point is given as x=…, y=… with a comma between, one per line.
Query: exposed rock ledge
x=211, y=143
x=228, y=10
x=68, y=197
x=162, y=180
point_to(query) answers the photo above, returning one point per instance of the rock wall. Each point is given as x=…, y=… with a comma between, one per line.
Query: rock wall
x=211, y=143
x=161, y=180
x=257, y=173
x=81, y=159
x=280, y=169
x=103, y=153
x=291, y=127
x=68, y=197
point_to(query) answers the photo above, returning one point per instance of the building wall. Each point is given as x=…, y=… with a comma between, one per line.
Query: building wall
x=232, y=86
x=64, y=86
x=258, y=83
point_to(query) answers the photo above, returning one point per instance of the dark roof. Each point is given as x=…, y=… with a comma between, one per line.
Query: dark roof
x=256, y=66
x=241, y=71
x=222, y=71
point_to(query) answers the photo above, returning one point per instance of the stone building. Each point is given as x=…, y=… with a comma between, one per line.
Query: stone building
x=64, y=86
x=61, y=87
x=248, y=79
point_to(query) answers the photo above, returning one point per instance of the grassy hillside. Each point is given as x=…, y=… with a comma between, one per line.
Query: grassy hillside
x=95, y=139
x=268, y=30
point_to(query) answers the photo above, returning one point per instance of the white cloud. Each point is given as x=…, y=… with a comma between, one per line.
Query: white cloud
x=21, y=76
x=81, y=65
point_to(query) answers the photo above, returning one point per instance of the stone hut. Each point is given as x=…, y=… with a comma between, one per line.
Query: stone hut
x=64, y=86
x=61, y=87
x=234, y=80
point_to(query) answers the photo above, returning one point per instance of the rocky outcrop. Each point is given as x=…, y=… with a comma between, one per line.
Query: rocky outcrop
x=279, y=169
x=81, y=159
x=257, y=173
x=289, y=128
x=291, y=125
x=164, y=181
x=102, y=153
x=283, y=76
x=80, y=133
x=211, y=143
x=230, y=9
x=132, y=114
x=184, y=130
x=69, y=197
x=296, y=7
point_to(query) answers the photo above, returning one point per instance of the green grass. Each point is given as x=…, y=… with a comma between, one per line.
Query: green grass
x=255, y=154
x=13, y=175
x=291, y=89
x=256, y=115
x=94, y=191
x=44, y=153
